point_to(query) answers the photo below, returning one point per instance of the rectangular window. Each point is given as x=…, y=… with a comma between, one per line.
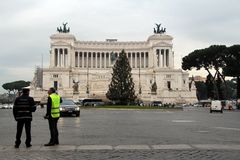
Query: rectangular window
x=169, y=85
x=55, y=85
x=168, y=76
x=55, y=76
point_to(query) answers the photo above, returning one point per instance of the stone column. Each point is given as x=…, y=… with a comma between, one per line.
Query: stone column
x=67, y=58
x=55, y=57
x=63, y=58
x=52, y=57
x=136, y=60
x=100, y=60
x=82, y=59
x=164, y=58
x=79, y=59
x=91, y=60
x=151, y=57
x=170, y=58
x=71, y=58
x=59, y=58
x=105, y=60
x=158, y=56
x=61, y=55
x=140, y=59
x=144, y=59
x=160, y=59
x=109, y=59
x=107, y=55
x=131, y=60
x=167, y=58
x=76, y=59
x=96, y=59
x=64, y=63
x=87, y=60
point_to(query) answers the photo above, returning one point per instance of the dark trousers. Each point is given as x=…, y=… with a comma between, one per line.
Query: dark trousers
x=20, y=124
x=53, y=130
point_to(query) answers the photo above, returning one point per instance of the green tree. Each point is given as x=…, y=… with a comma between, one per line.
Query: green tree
x=210, y=87
x=15, y=86
x=201, y=90
x=208, y=58
x=231, y=58
x=121, y=87
x=231, y=92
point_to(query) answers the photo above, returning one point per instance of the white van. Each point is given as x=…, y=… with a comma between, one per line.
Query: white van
x=216, y=106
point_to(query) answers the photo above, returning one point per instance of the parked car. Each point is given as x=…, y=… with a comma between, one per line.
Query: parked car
x=2, y=106
x=68, y=107
x=6, y=106
x=156, y=103
x=216, y=106
x=197, y=105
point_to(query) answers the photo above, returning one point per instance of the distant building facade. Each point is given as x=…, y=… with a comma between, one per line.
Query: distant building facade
x=199, y=79
x=81, y=69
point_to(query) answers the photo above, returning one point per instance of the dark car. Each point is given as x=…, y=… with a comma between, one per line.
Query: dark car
x=156, y=103
x=68, y=107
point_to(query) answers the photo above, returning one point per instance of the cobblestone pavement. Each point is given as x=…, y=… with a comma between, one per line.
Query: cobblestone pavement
x=125, y=152
x=123, y=155
x=135, y=134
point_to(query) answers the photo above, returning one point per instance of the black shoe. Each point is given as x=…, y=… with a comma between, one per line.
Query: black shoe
x=57, y=143
x=49, y=144
x=16, y=146
x=28, y=145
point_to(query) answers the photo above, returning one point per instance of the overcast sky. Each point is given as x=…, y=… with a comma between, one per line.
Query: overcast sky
x=27, y=24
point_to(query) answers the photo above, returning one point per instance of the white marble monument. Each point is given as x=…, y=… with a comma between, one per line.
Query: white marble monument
x=87, y=65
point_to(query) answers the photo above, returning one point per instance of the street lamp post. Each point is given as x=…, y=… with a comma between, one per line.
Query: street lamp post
x=139, y=75
x=87, y=87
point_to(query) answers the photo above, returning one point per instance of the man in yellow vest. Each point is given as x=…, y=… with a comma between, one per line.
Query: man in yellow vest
x=53, y=114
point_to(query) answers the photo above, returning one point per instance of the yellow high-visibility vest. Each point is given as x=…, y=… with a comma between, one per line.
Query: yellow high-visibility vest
x=55, y=112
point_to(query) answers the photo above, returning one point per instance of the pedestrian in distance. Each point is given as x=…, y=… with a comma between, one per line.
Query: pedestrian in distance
x=53, y=114
x=23, y=107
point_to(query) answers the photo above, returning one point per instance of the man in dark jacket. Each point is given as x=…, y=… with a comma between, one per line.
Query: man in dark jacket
x=53, y=114
x=22, y=111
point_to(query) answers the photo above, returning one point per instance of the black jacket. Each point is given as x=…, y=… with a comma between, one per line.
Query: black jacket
x=23, y=107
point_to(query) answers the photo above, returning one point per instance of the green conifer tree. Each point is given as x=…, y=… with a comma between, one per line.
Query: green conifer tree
x=121, y=89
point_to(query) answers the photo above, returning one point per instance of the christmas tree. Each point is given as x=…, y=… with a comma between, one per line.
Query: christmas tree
x=121, y=89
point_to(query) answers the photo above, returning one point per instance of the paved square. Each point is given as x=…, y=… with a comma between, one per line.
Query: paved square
x=129, y=134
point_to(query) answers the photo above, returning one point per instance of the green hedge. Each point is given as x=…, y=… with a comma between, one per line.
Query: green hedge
x=130, y=107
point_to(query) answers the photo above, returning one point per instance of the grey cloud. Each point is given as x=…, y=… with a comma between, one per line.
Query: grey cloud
x=27, y=24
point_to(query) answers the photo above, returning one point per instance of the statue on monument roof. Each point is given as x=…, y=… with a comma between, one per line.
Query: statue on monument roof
x=63, y=29
x=158, y=29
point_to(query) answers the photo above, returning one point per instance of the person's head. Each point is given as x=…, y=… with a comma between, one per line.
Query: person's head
x=25, y=91
x=51, y=90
